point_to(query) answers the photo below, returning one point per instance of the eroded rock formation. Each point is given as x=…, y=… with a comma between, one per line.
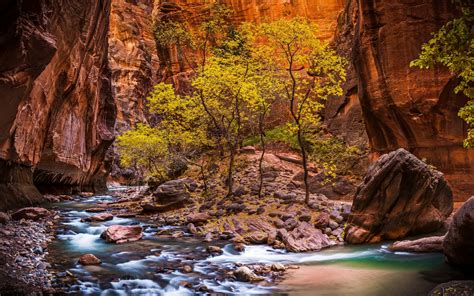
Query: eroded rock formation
x=401, y=195
x=458, y=243
x=57, y=114
x=408, y=107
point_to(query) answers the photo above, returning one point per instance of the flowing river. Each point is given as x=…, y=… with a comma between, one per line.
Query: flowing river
x=149, y=266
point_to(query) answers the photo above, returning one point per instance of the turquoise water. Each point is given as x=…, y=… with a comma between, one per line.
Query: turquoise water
x=151, y=266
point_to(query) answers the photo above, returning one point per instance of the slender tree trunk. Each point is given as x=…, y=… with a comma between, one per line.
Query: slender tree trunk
x=260, y=162
x=230, y=175
x=305, y=165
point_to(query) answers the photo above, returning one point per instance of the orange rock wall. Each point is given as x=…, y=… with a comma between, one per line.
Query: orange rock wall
x=407, y=107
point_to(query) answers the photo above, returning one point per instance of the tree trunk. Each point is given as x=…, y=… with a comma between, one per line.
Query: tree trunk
x=230, y=176
x=260, y=162
x=305, y=165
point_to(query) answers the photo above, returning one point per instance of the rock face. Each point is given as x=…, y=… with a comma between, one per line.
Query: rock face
x=58, y=113
x=458, y=244
x=408, y=107
x=120, y=234
x=133, y=60
x=400, y=196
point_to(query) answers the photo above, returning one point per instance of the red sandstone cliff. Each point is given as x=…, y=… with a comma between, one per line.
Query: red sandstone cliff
x=407, y=107
x=57, y=114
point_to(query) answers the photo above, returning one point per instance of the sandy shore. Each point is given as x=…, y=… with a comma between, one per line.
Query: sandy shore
x=341, y=279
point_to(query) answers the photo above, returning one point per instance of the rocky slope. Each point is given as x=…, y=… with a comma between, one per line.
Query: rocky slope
x=407, y=107
x=58, y=112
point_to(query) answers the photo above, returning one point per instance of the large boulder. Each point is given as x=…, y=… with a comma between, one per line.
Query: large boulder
x=120, y=234
x=31, y=213
x=401, y=195
x=304, y=238
x=458, y=243
x=174, y=193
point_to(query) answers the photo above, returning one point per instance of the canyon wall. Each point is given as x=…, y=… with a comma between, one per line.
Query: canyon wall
x=58, y=113
x=408, y=107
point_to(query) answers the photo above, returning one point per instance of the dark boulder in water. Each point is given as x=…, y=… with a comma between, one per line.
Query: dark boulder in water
x=401, y=195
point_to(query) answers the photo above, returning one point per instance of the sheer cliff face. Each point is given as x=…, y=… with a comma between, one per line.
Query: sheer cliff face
x=407, y=107
x=132, y=58
x=57, y=114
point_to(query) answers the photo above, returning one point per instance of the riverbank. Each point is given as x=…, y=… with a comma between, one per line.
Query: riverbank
x=23, y=256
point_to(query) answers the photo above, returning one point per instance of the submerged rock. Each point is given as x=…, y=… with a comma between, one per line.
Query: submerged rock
x=89, y=259
x=120, y=234
x=426, y=244
x=401, y=195
x=459, y=243
x=99, y=217
x=31, y=213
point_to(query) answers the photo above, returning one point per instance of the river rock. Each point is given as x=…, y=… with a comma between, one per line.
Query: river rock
x=459, y=243
x=304, y=238
x=174, y=193
x=198, y=218
x=214, y=250
x=89, y=259
x=322, y=221
x=401, y=195
x=426, y=244
x=255, y=237
x=30, y=213
x=278, y=267
x=96, y=210
x=120, y=234
x=99, y=217
x=453, y=288
x=244, y=274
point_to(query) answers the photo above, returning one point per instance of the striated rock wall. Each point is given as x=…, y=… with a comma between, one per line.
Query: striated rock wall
x=58, y=113
x=407, y=107
x=133, y=59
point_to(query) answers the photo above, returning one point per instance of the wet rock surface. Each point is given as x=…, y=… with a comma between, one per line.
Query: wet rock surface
x=459, y=244
x=120, y=234
x=89, y=259
x=400, y=195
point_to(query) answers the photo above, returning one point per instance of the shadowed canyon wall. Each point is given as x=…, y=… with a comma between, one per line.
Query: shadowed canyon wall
x=407, y=107
x=58, y=113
